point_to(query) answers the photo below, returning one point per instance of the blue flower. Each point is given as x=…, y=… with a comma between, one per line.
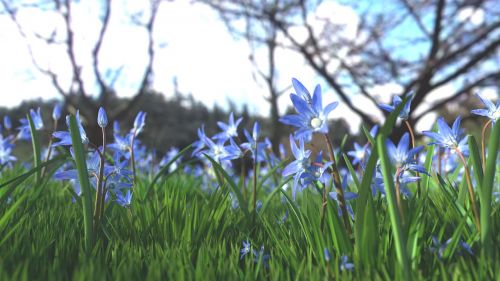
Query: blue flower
x=5, y=151
x=245, y=249
x=102, y=118
x=199, y=145
x=122, y=144
x=124, y=200
x=7, y=123
x=439, y=248
x=326, y=254
x=299, y=166
x=65, y=137
x=347, y=196
x=492, y=111
x=345, y=264
x=252, y=143
x=301, y=91
x=316, y=171
x=233, y=151
x=36, y=116
x=56, y=112
x=359, y=154
x=230, y=129
x=311, y=117
x=24, y=130
x=396, y=100
x=116, y=127
x=139, y=123
x=448, y=137
x=404, y=158
x=261, y=255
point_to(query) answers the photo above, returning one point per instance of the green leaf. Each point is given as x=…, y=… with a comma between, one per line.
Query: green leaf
x=475, y=158
x=35, y=141
x=365, y=220
x=83, y=177
x=396, y=220
x=227, y=180
x=487, y=189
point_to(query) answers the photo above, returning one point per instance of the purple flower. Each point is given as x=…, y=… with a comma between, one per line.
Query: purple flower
x=5, y=151
x=230, y=129
x=311, y=117
x=56, y=112
x=402, y=157
x=7, y=123
x=345, y=264
x=102, y=118
x=449, y=137
x=36, y=116
x=65, y=136
x=396, y=101
x=492, y=111
x=124, y=200
x=245, y=249
x=299, y=166
x=139, y=123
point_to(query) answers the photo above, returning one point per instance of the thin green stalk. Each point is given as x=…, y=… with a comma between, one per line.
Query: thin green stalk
x=99, y=202
x=323, y=207
x=483, y=142
x=83, y=177
x=255, y=178
x=396, y=221
x=35, y=141
x=413, y=144
x=132, y=158
x=338, y=185
x=49, y=152
x=471, y=190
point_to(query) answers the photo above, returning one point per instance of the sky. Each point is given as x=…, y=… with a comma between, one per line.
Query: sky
x=192, y=45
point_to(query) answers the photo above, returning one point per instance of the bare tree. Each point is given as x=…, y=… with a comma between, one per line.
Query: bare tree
x=420, y=45
x=84, y=92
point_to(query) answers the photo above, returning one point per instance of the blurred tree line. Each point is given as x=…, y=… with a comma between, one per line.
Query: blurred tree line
x=170, y=121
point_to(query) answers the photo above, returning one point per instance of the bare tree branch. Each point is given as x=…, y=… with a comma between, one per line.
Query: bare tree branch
x=95, y=52
x=466, y=89
x=148, y=72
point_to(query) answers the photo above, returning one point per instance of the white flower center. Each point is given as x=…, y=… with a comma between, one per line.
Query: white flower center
x=316, y=122
x=496, y=114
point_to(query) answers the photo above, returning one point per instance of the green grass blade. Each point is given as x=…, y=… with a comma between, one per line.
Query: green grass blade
x=164, y=169
x=83, y=177
x=487, y=189
x=351, y=171
x=365, y=220
x=396, y=220
x=19, y=179
x=35, y=141
x=475, y=158
x=227, y=179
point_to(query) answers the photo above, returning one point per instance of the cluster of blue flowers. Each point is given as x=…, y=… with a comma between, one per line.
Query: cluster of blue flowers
x=113, y=167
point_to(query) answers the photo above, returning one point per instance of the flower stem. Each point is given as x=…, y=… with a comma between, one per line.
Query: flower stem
x=99, y=202
x=338, y=184
x=49, y=152
x=471, y=190
x=398, y=194
x=483, y=142
x=323, y=207
x=255, y=178
x=412, y=136
x=132, y=158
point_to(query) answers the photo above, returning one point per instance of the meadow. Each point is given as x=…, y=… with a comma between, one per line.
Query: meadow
x=229, y=208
